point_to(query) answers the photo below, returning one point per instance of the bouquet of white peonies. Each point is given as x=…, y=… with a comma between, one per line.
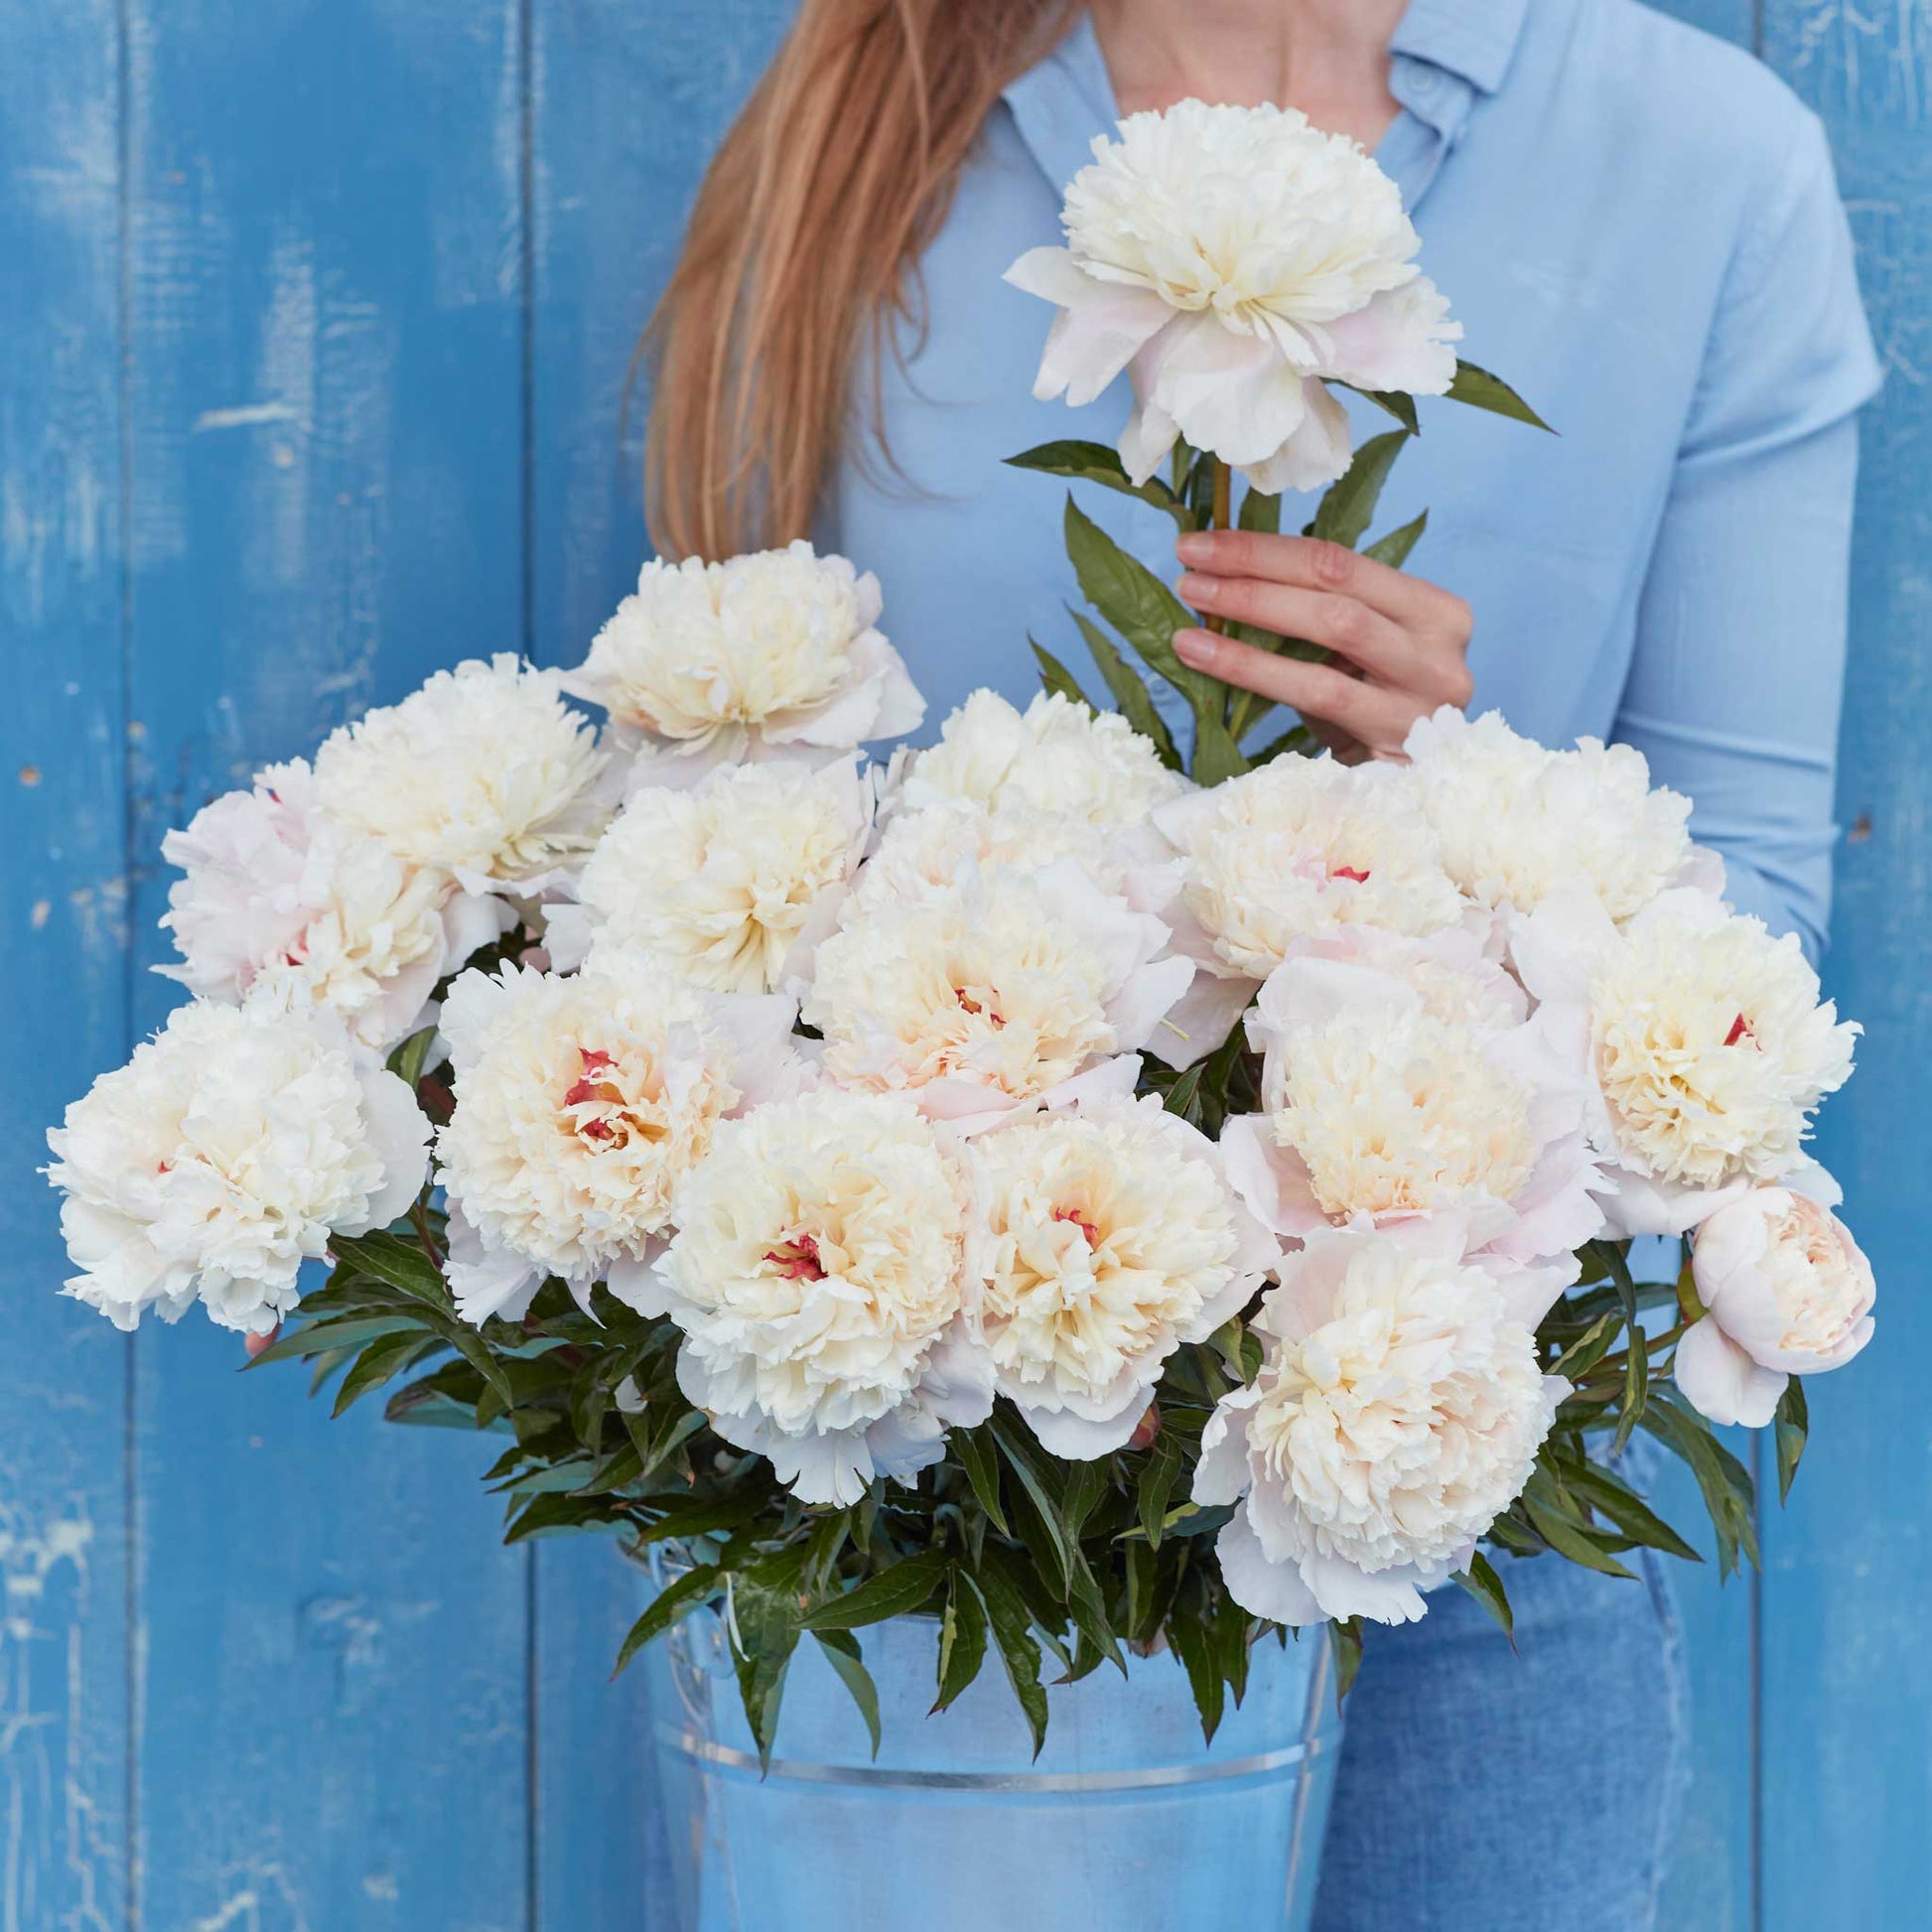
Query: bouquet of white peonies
x=1103, y=1196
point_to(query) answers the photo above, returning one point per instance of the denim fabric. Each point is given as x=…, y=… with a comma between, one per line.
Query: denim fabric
x=1485, y=1792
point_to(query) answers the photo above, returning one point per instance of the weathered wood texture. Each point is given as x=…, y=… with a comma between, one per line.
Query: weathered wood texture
x=64, y=1722
x=318, y=320
x=1846, y=1774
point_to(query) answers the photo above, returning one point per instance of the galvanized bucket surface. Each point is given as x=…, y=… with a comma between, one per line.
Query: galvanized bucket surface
x=1125, y=1820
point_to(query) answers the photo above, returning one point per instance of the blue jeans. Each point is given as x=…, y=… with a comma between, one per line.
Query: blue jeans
x=1485, y=1792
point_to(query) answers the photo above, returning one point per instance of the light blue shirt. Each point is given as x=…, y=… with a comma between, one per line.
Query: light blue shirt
x=1638, y=227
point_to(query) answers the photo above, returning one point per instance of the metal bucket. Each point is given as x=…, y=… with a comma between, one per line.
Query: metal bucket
x=1125, y=1820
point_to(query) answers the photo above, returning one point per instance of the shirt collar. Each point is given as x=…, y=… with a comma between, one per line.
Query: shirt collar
x=1475, y=40
x=1063, y=103
x=1447, y=51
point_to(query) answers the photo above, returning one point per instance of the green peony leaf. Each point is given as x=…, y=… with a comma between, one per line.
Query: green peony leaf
x=1482, y=390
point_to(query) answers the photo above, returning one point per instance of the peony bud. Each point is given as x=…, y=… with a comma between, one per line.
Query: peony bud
x=1785, y=1291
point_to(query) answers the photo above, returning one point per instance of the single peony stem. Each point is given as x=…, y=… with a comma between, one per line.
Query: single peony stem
x=1222, y=517
x=424, y=1235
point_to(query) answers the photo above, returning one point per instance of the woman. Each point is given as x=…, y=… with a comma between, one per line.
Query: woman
x=1638, y=227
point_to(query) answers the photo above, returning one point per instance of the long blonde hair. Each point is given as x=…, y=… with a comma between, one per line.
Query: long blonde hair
x=803, y=248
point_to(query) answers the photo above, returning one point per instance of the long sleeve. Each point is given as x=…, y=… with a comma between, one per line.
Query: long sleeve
x=1735, y=687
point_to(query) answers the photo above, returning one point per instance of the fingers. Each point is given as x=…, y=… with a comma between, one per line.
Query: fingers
x=1345, y=626
x=1373, y=715
x=1308, y=564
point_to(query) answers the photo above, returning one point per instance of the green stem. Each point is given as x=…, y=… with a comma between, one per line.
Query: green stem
x=1221, y=518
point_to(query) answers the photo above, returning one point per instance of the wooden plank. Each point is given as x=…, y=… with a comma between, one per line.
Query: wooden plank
x=327, y=502
x=1848, y=1699
x=64, y=1674
x=1711, y=1886
x=627, y=103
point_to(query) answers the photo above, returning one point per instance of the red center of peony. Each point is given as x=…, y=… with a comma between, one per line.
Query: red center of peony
x=967, y=1003
x=797, y=1259
x=593, y=1088
x=1741, y=1028
x=1360, y=876
x=1081, y=1222
x=588, y=1085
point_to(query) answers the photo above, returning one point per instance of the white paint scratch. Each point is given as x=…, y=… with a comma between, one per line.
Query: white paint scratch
x=47, y=1811
x=244, y=415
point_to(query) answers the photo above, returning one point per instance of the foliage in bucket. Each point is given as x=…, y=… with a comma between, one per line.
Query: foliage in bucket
x=1102, y=1188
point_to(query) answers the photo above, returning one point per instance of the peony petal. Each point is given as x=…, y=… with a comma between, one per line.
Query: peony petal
x=484, y=1284
x=1317, y=452
x=1061, y=1433
x=1230, y=393
x=1383, y=1597
x=1100, y=329
x=1199, y=1021
x=1721, y=1382
x=399, y=1134
x=1398, y=341
x=1275, y=1590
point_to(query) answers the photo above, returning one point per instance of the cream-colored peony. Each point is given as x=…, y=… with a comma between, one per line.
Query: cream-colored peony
x=993, y=996
x=281, y=898
x=1233, y=260
x=1377, y=1110
x=222, y=1155
x=247, y=897
x=824, y=1275
x=1114, y=1238
x=1397, y=1414
x=927, y=853
x=1457, y=973
x=1785, y=1292
x=1300, y=848
x=1710, y=1046
x=1056, y=762
x=580, y=1104
x=770, y=654
x=485, y=772
x=1518, y=820
x=723, y=881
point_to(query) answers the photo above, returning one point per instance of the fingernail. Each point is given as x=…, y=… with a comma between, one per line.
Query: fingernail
x=1196, y=647
x=1193, y=547
x=1195, y=588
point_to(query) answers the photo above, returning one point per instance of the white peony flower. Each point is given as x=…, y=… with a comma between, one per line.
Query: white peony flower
x=1114, y=1238
x=1454, y=972
x=247, y=900
x=1233, y=259
x=1710, y=1046
x=824, y=1276
x=721, y=881
x=1517, y=820
x=1056, y=762
x=1378, y=1111
x=484, y=772
x=994, y=996
x=221, y=1157
x=773, y=653
x=1397, y=1414
x=1785, y=1291
x=1298, y=848
x=580, y=1104
x=281, y=898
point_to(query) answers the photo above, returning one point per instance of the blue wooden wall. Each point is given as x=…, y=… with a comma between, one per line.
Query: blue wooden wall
x=313, y=319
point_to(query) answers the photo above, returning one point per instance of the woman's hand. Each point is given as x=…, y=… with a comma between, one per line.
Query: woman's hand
x=1403, y=642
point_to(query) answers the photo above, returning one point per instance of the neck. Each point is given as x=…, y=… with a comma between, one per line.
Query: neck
x=1328, y=57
